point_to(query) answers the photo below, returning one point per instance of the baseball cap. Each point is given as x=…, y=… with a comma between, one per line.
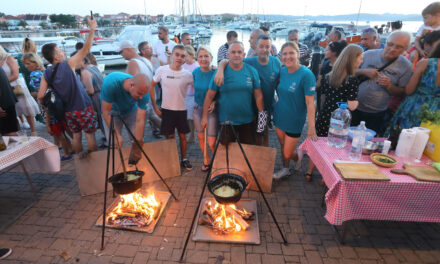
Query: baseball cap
x=126, y=44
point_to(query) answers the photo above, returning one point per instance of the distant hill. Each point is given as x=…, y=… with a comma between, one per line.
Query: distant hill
x=349, y=17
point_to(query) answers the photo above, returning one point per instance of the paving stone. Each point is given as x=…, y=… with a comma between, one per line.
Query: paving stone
x=196, y=256
x=271, y=259
x=253, y=258
x=238, y=255
x=293, y=249
x=313, y=257
x=126, y=251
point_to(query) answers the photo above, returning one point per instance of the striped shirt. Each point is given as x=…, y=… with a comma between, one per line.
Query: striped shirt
x=222, y=52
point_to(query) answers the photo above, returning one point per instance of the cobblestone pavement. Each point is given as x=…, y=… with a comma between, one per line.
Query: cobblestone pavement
x=63, y=221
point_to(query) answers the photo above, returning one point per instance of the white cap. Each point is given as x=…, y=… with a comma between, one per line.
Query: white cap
x=126, y=44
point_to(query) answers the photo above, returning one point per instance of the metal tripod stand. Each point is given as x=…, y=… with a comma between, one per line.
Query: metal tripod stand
x=111, y=148
x=208, y=177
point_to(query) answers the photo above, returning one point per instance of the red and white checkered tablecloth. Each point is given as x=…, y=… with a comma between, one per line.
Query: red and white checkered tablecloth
x=401, y=199
x=36, y=153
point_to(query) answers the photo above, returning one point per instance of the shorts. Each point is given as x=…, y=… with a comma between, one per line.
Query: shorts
x=171, y=120
x=58, y=128
x=189, y=103
x=293, y=135
x=246, y=134
x=9, y=123
x=82, y=120
x=212, y=121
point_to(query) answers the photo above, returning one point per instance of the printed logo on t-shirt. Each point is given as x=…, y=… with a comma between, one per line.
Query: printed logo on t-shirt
x=248, y=81
x=171, y=77
x=272, y=76
x=292, y=87
x=313, y=89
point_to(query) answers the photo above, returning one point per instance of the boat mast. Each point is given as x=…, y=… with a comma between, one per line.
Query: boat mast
x=357, y=19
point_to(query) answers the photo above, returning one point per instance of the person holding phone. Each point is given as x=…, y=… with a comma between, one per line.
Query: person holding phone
x=163, y=46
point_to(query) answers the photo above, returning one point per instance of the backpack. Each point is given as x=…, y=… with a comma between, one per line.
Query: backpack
x=52, y=100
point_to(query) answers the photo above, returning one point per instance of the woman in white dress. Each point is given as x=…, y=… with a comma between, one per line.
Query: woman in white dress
x=26, y=105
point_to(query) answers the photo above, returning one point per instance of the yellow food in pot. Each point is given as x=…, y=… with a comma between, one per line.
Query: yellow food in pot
x=225, y=191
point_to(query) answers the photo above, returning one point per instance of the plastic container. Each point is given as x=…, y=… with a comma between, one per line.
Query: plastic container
x=338, y=128
x=358, y=142
x=386, y=147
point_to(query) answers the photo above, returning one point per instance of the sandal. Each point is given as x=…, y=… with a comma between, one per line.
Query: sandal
x=308, y=177
x=205, y=168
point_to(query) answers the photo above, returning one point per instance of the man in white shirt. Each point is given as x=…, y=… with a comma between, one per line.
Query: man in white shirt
x=174, y=81
x=162, y=48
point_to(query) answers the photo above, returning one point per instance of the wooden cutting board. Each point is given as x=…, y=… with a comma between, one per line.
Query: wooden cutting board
x=420, y=173
x=360, y=171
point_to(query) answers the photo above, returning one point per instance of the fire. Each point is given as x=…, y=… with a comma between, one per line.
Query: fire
x=134, y=209
x=226, y=218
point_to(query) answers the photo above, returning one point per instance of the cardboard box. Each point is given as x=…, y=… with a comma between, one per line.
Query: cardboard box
x=90, y=172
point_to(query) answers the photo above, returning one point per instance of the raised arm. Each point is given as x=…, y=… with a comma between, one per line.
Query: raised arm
x=415, y=78
x=79, y=56
x=219, y=76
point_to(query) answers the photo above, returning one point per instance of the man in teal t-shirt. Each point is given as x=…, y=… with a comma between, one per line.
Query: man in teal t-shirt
x=128, y=96
x=235, y=97
x=268, y=68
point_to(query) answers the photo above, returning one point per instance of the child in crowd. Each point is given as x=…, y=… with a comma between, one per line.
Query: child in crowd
x=189, y=65
x=431, y=22
x=56, y=129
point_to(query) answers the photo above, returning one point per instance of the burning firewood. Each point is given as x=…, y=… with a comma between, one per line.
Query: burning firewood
x=225, y=218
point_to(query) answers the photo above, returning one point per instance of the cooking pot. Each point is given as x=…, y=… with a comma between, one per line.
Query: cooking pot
x=229, y=179
x=123, y=186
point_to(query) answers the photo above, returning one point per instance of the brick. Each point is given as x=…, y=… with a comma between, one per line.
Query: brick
x=367, y=253
x=253, y=258
x=313, y=257
x=271, y=259
x=126, y=251
x=196, y=256
x=238, y=255
x=165, y=252
x=292, y=249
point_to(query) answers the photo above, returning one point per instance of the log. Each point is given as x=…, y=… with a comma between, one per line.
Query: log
x=244, y=225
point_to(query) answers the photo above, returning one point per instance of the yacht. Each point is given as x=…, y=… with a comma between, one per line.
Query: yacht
x=67, y=44
x=108, y=53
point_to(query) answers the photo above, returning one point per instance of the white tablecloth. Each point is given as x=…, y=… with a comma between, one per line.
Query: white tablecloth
x=36, y=153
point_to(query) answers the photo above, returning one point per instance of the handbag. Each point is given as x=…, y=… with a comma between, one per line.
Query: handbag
x=52, y=100
x=18, y=90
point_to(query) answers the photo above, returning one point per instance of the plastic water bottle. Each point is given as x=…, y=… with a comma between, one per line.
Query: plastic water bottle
x=358, y=142
x=339, y=124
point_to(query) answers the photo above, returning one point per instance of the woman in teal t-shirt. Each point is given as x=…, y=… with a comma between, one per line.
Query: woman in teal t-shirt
x=296, y=93
x=202, y=76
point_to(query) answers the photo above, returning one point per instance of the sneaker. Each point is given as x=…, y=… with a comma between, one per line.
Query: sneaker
x=284, y=172
x=186, y=164
x=5, y=252
x=64, y=158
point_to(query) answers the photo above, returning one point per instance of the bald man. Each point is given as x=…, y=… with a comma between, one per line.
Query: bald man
x=253, y=42
x=127, y=95
x=375, y=93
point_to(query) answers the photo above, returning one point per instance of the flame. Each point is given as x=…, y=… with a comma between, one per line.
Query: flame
x=136, y=206
x=224, y=221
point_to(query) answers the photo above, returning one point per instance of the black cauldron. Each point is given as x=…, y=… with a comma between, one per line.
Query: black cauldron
x=122, y=186
x=233, y=180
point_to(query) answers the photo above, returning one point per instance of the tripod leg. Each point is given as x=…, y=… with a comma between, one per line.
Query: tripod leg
x=201, y=195
x=148, y=159
x=104, y=212
x=258, y=185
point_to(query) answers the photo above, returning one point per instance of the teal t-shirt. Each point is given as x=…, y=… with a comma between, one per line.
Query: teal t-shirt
x=291, y=110
x=235, y=96
x=201, y=84
x=269, y=76
x=112, y=91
